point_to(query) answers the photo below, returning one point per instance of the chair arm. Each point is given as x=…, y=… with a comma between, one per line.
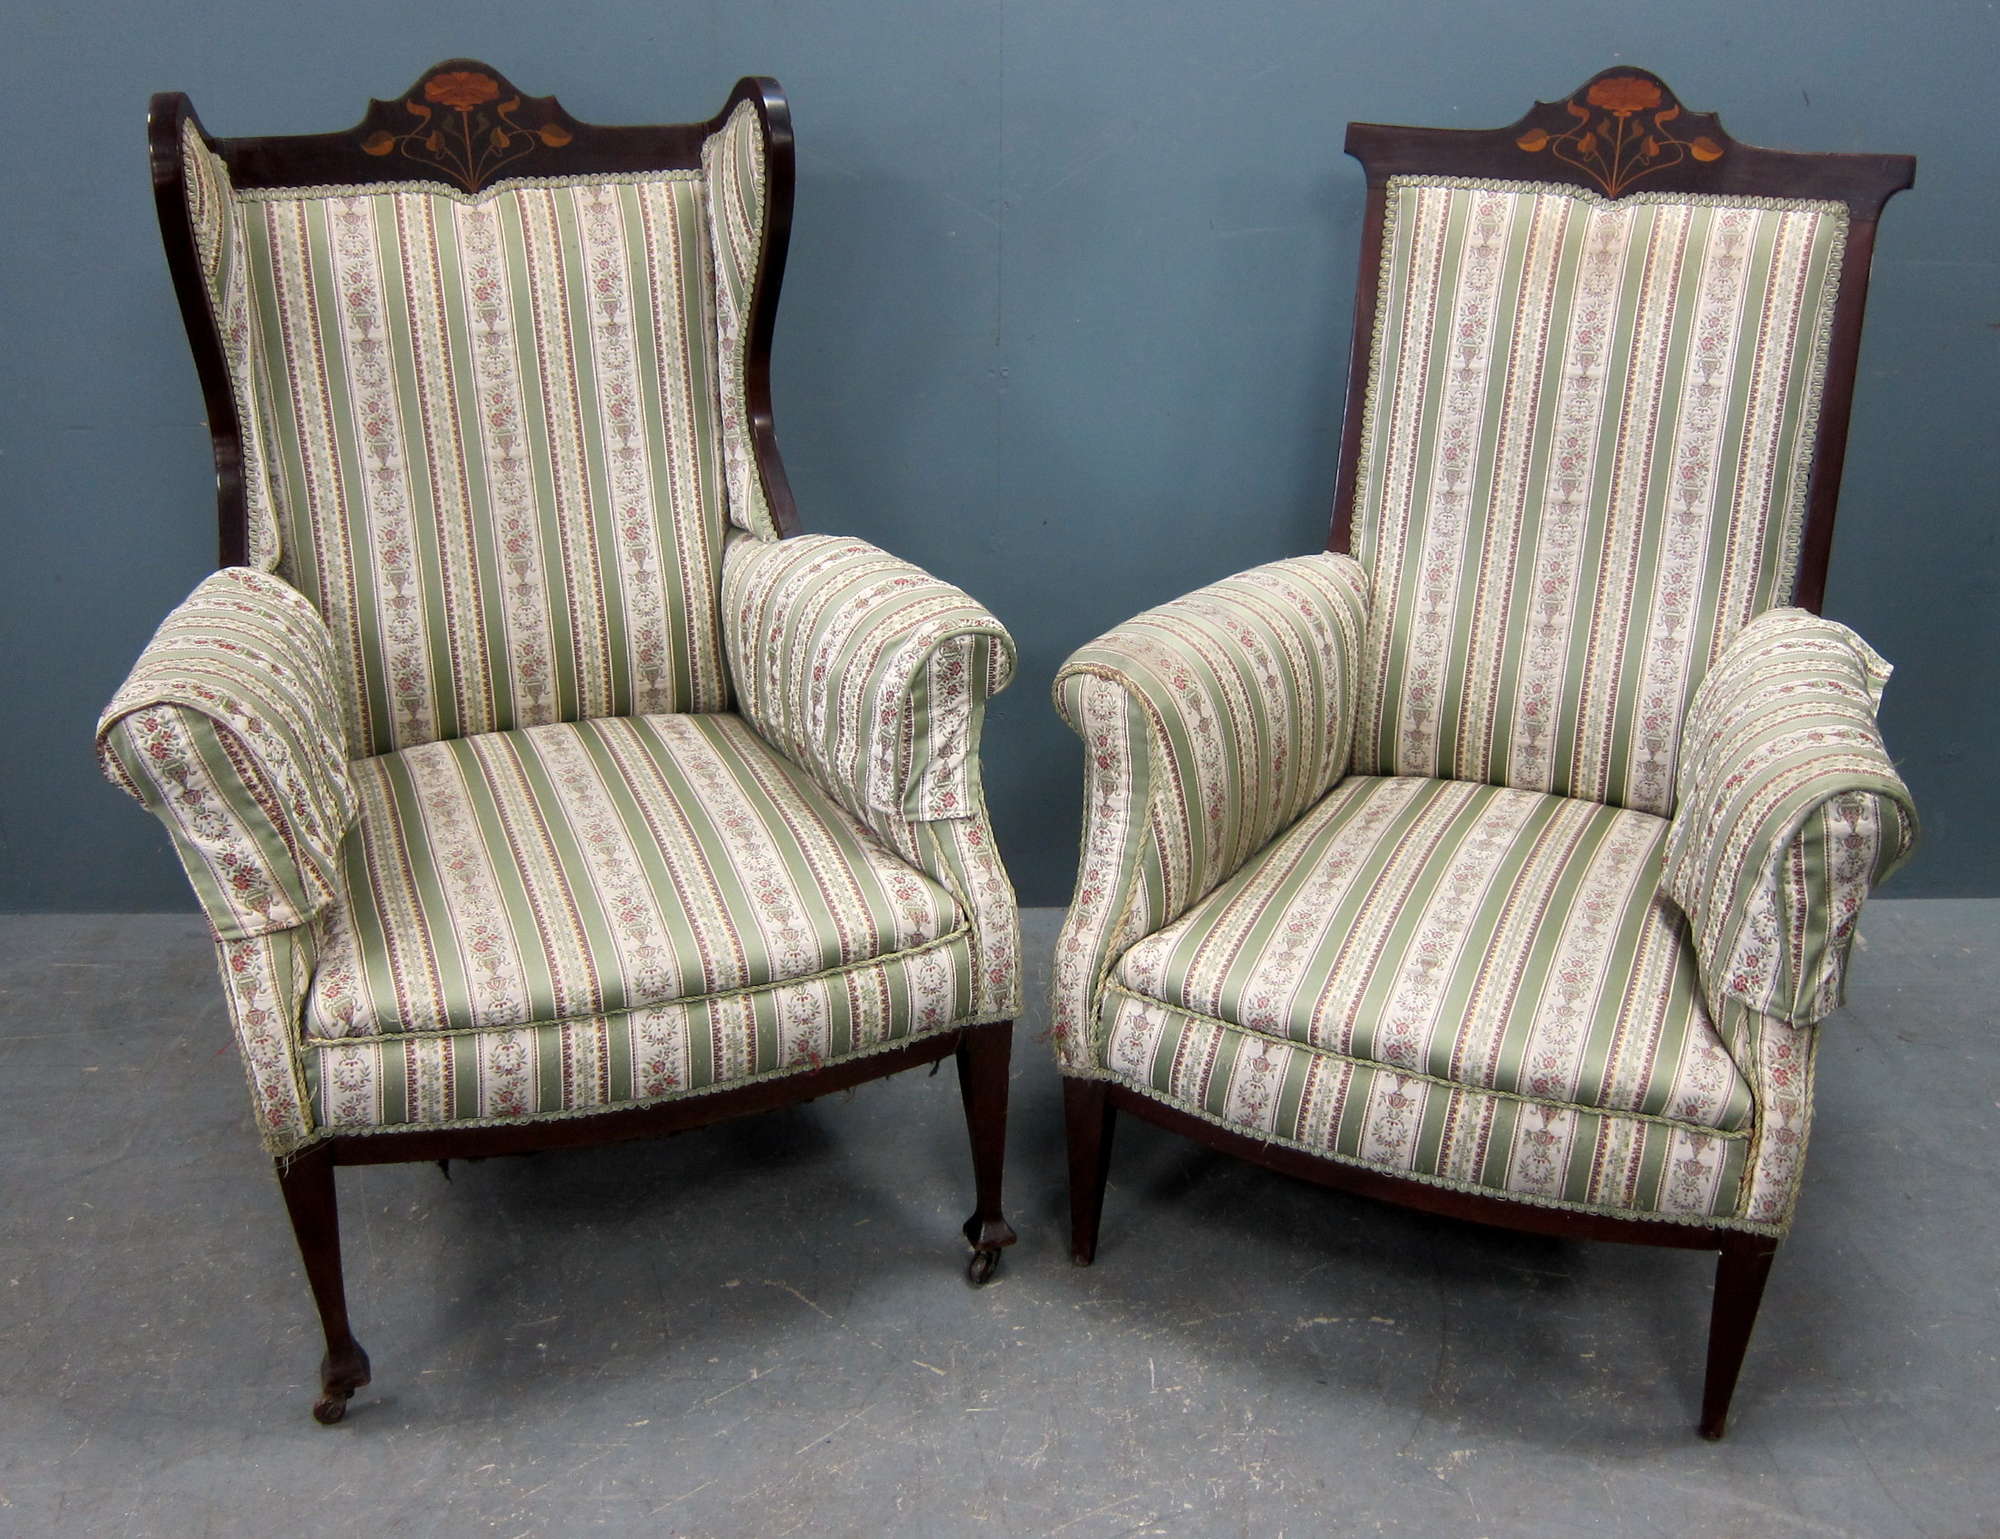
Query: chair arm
x=1788, y=812
x=872, y=676
x=229, y=731
x=866, y=671
x=1210, y=725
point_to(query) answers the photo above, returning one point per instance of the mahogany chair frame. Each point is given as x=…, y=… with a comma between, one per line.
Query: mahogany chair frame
x=1700, y=157
x=372, y=152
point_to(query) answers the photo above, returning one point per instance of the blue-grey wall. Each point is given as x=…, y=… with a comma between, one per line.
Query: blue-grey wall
x=1066, y=320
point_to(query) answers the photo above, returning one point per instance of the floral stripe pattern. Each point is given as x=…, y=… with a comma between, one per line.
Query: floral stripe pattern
x=1440, y=1133
x=575, y=872
x=874, y=676
x=634, y=1057
x=733, y=172
x=218, y=238
x=1471, y=935
x=488, y=427
x=1586, y=433
x=228, y=729
x=1209, y=725
x=1790, y=812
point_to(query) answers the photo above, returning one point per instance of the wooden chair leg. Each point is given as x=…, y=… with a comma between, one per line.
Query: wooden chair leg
x=1091, y=1120
x=983, y=1056
x=1740, y=1275
x=307, y=1182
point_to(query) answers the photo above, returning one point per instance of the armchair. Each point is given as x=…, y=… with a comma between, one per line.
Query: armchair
x=542, y=783
x=1502, y=859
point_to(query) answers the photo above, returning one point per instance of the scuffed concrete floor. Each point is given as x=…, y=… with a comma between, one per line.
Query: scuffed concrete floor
x=762, y=1329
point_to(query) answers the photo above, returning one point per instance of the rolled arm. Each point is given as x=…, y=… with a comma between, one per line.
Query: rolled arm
x=1788, y=811
x=1210, y=725
x=229, y=730
x=872, y=676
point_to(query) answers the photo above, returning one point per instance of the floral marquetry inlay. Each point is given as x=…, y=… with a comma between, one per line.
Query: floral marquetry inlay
x=1623, y=127
x=469, y=124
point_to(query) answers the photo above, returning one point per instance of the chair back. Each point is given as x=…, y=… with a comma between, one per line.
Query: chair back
x=481, y=371
x=1603, y=360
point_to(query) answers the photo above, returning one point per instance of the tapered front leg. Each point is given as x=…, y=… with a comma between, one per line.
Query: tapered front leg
x=307, y=1182
x=1740, y=1275
x=983, y=1056
x=1091, y=1119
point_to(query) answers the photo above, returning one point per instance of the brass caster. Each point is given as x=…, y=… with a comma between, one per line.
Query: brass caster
x=981, y=1266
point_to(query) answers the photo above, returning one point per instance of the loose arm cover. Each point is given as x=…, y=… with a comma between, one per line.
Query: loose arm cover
x=228, y=730
x=873, y=676
x=1788, y=812
x=1209, y=724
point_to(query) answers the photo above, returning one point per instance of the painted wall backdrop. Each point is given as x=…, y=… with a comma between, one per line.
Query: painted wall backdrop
x=1066, y=318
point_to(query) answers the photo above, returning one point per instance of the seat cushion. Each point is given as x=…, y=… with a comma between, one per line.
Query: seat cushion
x=578, y=870
x=1501, y=940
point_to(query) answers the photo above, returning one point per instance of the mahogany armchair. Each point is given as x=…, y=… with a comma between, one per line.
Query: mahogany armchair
x=542, y=783
x=1503, y=859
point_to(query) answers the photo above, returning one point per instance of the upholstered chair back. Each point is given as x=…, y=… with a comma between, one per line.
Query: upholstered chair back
x=1589, y=426
x=492, y=433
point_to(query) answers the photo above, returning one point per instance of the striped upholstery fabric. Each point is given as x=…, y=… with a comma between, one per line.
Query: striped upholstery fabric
x=1790, y=812
x=733, y=167
x=630, y=1057
x=1586, y=435
x=1209, y=725
x=1481, y=984
x=839, y=651
x=874, y=676
x=592, y=869
x=1542, y=1153
x=487, y=429
x=229, y=730
x=218, y=239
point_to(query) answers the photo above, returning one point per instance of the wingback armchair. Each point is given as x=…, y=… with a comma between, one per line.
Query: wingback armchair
x=1503, y=859
x=542, y=783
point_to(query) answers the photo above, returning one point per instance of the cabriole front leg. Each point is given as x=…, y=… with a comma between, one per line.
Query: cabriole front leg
x=983, y=1056
x=307, y=1182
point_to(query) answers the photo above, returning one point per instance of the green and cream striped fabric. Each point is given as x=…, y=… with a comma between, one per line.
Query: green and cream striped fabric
x=488, y=429
x=1441, y=1134
x=583, y=870
x=1209, y=725
x=1791, y=810
x=1586, y=435
x=228, y=729
x=732, y=164
x=1472, y=935
x=841, y=653
x=218, y=239
x=874, y=676
x=633, y=1057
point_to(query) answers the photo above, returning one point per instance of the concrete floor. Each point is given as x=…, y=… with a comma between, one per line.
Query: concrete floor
x=761, y=1329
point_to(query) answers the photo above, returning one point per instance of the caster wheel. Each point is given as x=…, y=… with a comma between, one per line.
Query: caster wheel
x=980, y=1268
x=330, y=1408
